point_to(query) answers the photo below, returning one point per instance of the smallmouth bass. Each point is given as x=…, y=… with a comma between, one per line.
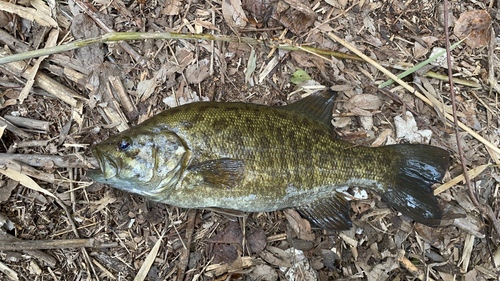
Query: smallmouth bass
x=256, y=158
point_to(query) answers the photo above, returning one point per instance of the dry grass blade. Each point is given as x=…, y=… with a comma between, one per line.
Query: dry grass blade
x=2, y=129
x=143, y=272
x=44, y=81
x=24, y=180
x=472, y=174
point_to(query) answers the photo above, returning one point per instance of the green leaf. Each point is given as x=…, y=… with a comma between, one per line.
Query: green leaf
x=300, y=76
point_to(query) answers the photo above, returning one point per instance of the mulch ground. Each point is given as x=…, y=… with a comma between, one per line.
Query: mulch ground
x=56, y=224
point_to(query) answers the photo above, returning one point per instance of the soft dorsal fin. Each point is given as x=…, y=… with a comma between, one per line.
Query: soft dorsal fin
x=221, y=173
x=318, y=106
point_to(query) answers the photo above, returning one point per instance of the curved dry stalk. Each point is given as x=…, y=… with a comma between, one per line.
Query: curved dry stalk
x=485, y=209
x=122, y=36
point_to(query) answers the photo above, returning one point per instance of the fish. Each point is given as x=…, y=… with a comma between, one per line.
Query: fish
x=256, y=158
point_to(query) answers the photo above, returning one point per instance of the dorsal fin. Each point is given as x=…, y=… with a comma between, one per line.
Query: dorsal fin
x=318, y=106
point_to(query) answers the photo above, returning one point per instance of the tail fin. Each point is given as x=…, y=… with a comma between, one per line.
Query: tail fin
x=419, y=166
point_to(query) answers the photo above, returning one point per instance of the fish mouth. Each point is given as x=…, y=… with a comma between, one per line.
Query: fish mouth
x=108, y=168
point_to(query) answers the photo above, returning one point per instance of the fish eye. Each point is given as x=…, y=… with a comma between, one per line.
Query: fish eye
x=123, y=145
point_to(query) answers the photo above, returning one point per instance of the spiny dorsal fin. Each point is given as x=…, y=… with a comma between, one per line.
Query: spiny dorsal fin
x=318, y=106
x=330, y=213
x=220, y=173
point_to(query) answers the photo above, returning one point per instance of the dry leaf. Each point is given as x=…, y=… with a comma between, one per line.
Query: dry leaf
x=420, y=50
x=257, y=240
x=301, y=269
x=406, y=128
x=24, y=180
x=196, y=73
x=476, y=25
x=301, y=226
x=259, y=9
x=83, y=27
x=205, y=24
x=296, y=21
x=224, y=253
x=380, y=270
x=230, y=235
x=251, y=64
x=4, y=18
x=303, y=6
x=308, y=60
x=362, y=104
x=172, y=7
x=276, y=256
x=146, y=87
x=337, y=3
x=263, y=272
x=365, y=101
x=233, y=13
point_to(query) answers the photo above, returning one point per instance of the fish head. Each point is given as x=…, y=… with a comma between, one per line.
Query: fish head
x=141, y=161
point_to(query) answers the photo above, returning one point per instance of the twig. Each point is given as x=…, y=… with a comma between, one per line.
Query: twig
x=40, y=255
x=32, y=172
x=485, y=209
x=413, y=90
x=14, y=129
x=127, y=104
x=43, y=81
x=28, y=122
x=67, y=161
x=184, y=258
x=53, y=244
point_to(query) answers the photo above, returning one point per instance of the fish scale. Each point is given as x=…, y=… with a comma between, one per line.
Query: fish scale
x=256, y=158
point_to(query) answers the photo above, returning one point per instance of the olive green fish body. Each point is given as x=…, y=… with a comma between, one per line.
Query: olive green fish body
x=256, y=158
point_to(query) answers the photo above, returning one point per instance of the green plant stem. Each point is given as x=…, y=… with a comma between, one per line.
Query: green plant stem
x=420, y=65
x=120, y=36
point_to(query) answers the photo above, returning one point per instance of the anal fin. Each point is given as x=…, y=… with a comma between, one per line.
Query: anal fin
x=328, y=213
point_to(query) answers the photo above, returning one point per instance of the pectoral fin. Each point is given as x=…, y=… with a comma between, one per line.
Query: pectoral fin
x=330, y=213
x=220, y=173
